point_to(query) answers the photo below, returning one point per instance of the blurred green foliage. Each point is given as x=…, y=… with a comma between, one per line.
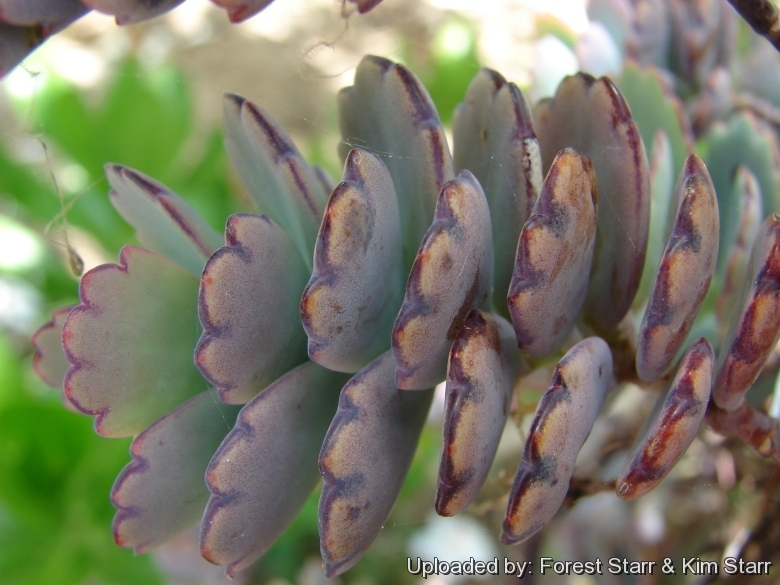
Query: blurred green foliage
x=56, y=473
x=143, y=121
x=55, y=476
x=450, y=66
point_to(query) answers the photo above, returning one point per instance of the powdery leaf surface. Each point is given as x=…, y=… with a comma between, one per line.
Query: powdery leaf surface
x=267, y=466
x=674, y=426
x=130, y=342
x=278, y=179
x=163, y=221
x=389, y=112
x=356, y=288
x=161, y=492
x=364, y=460
x=483, y=366
x=684, y=273
x=755, y=331
x=451, y=275
x=560, y=426
x=493, y=137
x=591, y=116
x=248, y=305
x=554, y=255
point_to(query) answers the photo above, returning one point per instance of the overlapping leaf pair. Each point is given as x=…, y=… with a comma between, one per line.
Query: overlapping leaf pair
x=316, y=289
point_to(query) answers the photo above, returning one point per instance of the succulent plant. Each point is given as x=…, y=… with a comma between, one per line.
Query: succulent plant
x=323, y=324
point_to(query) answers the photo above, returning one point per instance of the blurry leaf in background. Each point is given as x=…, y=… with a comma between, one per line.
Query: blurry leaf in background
x=655, y=107
x=20, y=186
x=141, y=122
x=206, y=184
x=24, y=255
x=548, y=24
x=144, y=121
x=56, y=473
x=454, y=62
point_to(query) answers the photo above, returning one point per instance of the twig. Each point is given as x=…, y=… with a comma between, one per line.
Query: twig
x=582, y=487
x=762, y=16
x=750, y=425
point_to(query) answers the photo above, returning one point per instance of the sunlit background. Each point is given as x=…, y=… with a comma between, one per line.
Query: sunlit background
x=149, y=96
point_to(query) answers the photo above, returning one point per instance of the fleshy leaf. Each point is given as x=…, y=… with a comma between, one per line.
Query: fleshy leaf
x=674, y=426
x=451, y=275
x=240, y=10
x=661, y=195
x=161, y=492
x=267, y=466
x=130, y=342
x=650, y=34
x=615, y=16
x=560, y=426
x=364, y=460
x=748, y=192
x=49, y=16
x=132, y=11
x=591, y=116
x=755, y=331
x=715, y=100
x=389, y=112
x=248, y=306
x=50, y=361
x=494, y=138
x=163, y=221
x=743, y=217
x=654, y=106
x=554, y=255
x=483, y=366
x=272, y=169
x=684, y=273
x=759, y=72
x=742, y=141
x=356, y=289
x=700, y=29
